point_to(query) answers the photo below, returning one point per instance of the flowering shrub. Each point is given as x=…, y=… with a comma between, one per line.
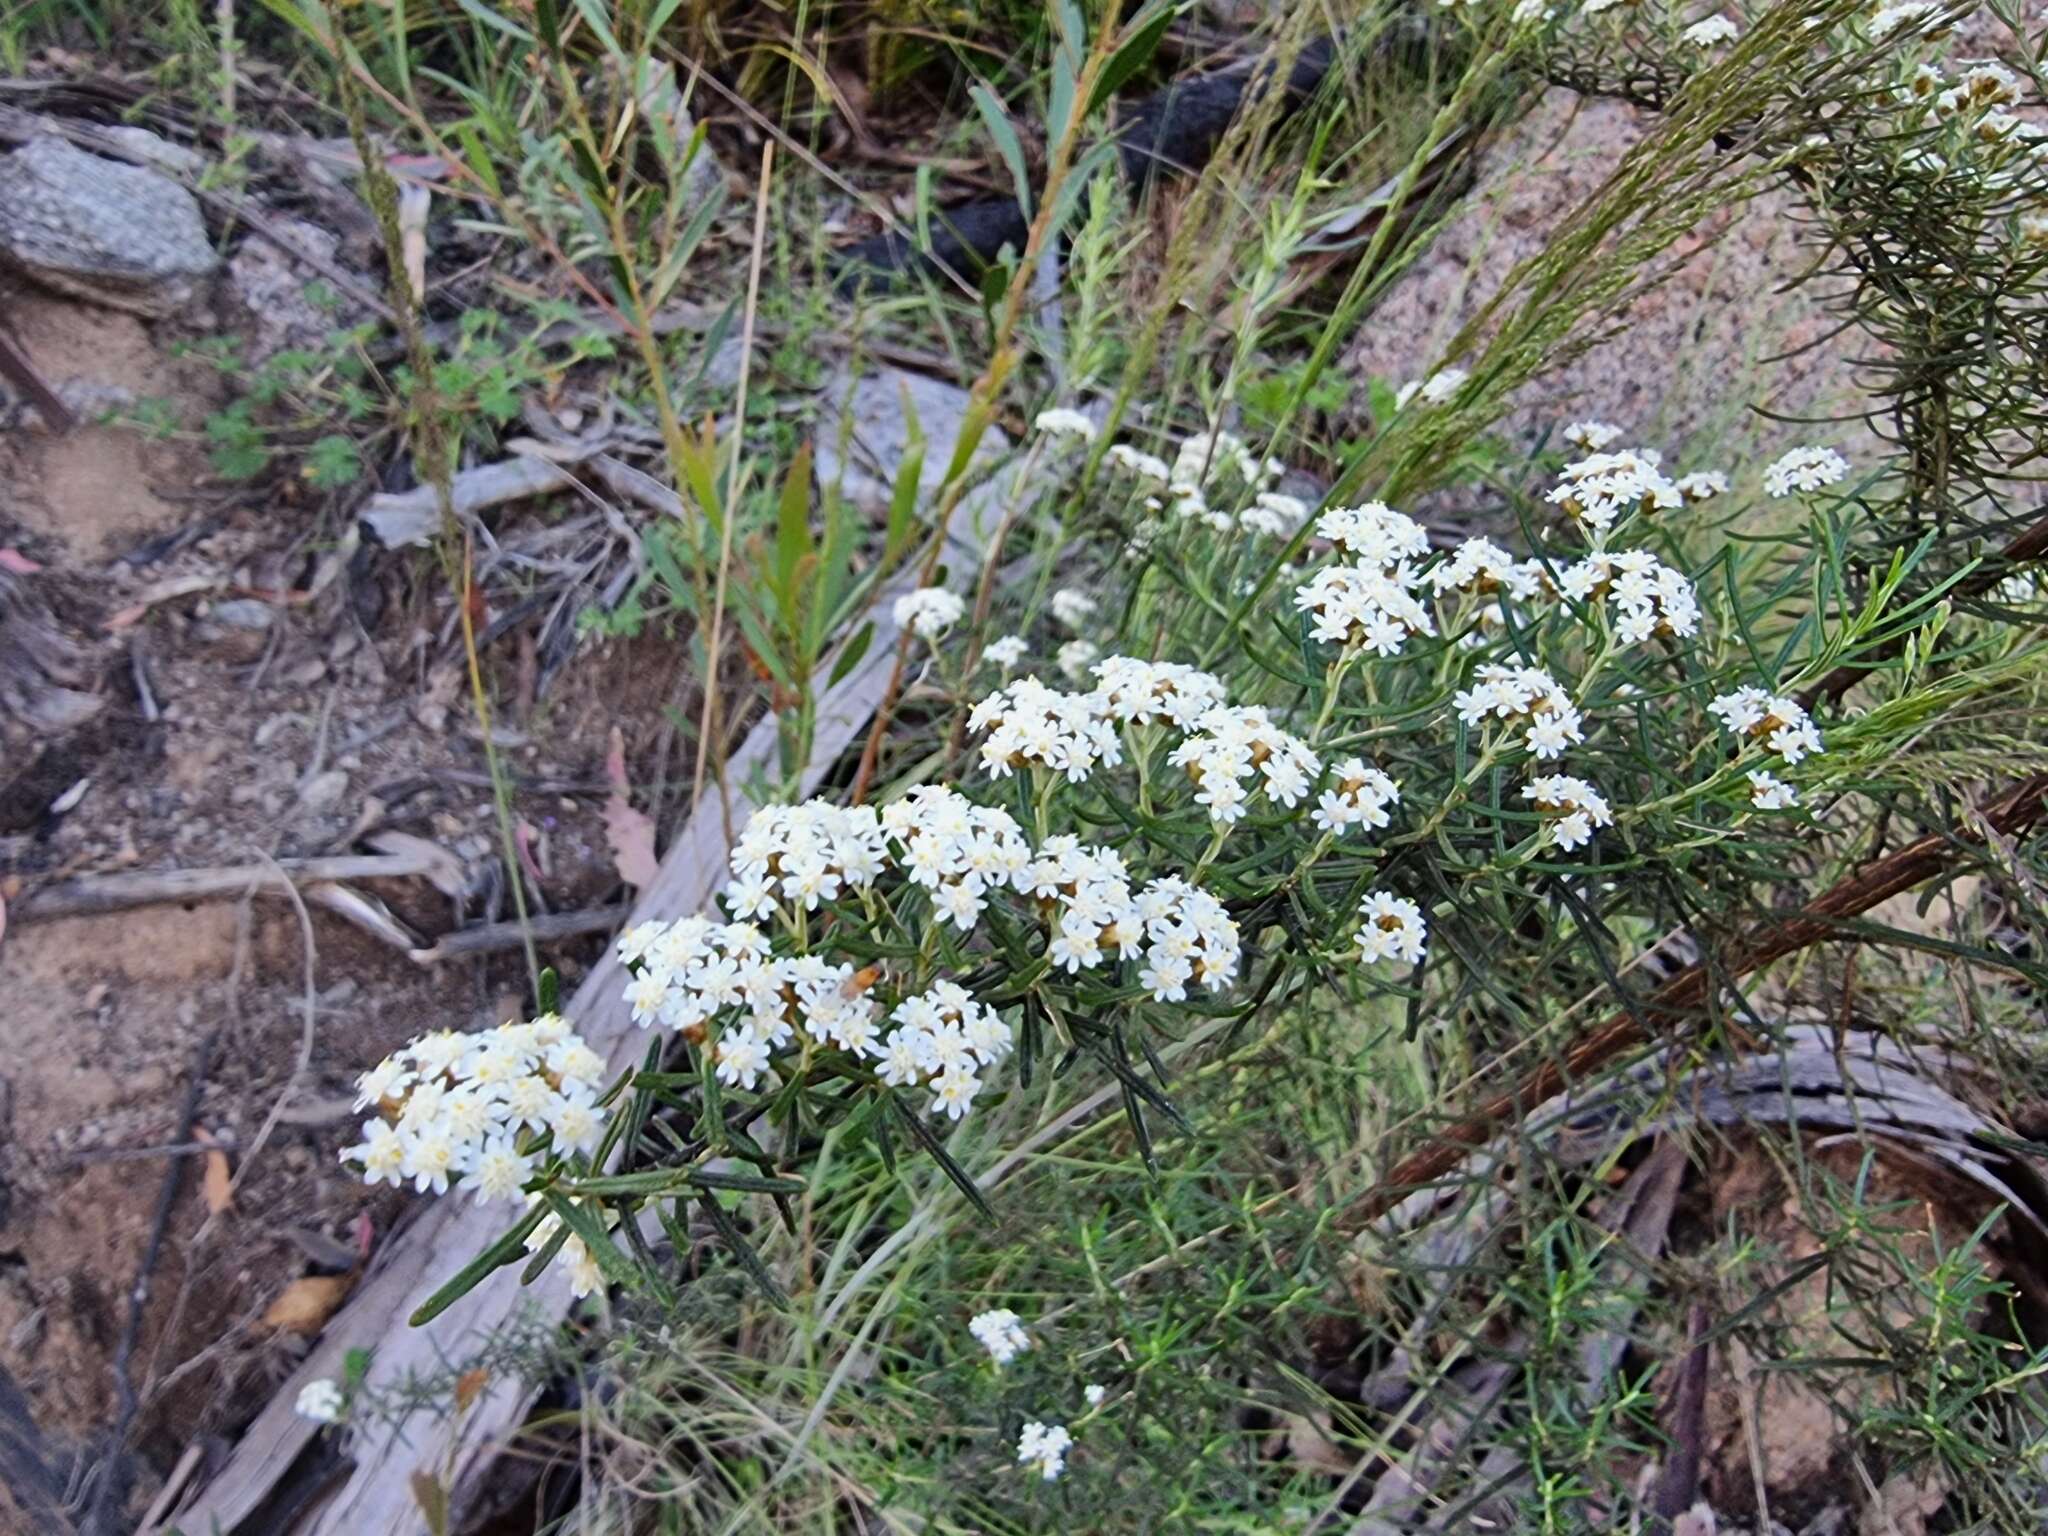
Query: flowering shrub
x=1409, y=736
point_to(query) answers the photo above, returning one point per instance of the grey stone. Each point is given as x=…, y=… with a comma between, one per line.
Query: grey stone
x=157, y=149
x=324, y=789
x=1691, y=368
x=119, y=235
x=270, y=287
x=244, y=613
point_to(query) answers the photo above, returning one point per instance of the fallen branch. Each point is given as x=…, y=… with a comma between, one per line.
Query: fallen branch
x=89, y=895
x=2014, y=811
x=486, y=937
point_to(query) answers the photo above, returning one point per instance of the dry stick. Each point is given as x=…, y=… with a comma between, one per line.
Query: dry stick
x=90, y=894
x=102, y=1515
x=2029, y=546
x=708, y=722
x=2015, y=810
x=980, y=399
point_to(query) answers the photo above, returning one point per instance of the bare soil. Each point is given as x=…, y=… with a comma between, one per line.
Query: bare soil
x=255, y=703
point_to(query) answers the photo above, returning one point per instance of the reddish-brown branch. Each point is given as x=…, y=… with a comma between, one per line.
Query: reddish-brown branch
x=2014, y=811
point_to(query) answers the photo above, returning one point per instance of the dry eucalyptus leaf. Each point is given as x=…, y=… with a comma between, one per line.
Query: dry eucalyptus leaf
x=218, y=1182
x=304, y=1306
x=629, y=832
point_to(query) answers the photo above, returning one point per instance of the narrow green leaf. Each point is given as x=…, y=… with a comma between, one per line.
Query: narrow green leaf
x=1008, y=145
x=923, y=1135
x=851, y=653
x=1132, y=55
x=744, y=1251
x=793, y=540
x=583, y=1221
x=466, y=1279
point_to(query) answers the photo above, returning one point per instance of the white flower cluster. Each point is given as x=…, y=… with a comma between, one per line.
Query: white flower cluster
x=1072, y=607
x=1393, y=929
x=1711, y=32
x=320, y=1400
x=1141, y=692
x=957, y=850
x=1482, y=566
x=942, y=1036
x=1768, y=792
x=1573, y=808
x=1434, y=390
x=695, y=971
x=1591, y=435
x=1375, y=534
x=1702, y=485
x=1364, y=606
x=1892, y=17
x=1650, y=598
x=474, y=1107
x=1206, y=455
x=1044, y=1447
x=1781, y=724
x=1137, y=463
x=1603, y=488
x=1177, y=932
x=1526, y=696
x=1275, y=514
x=1005, y=652
x=1030, y=724
x=1805, y=469
x=1001, y=1333
x=801, y=854
x=1230, y=745
x=928, y=612
x=1359, y=796
x=585, y=1275
x=1063, y=421
x=1075, y=658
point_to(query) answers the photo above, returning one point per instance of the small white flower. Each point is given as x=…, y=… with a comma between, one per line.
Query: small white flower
x=1094, y=1393
x=1133, y=461
x=381, y=1153
x=1702, y=485
x=928, y=612
x=1001, y=1333
x=1062, y=421
x=1044, y=1448
x=1769, y=793
x=499, y=1172
x=1711, y=32
x=1805, y=469
x=1004, y=653
x=320, y=1401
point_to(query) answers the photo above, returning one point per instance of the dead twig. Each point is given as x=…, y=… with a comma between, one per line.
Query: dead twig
x=103, y=1515
x=19, y=371
x=486, y=937
x=91, y=894
x=2016, y=809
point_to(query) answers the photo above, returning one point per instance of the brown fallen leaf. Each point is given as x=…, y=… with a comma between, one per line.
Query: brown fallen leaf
x=629, y=832
x=218, y=1184
x=304, y=1306
x=469, y=1386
